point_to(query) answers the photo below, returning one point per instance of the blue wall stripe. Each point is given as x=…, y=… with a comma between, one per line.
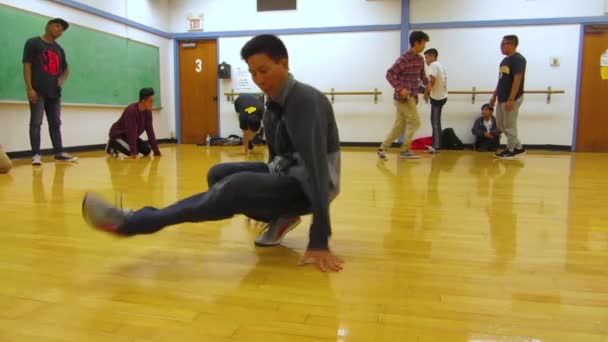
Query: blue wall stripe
x=178, y=129
x=578, y=85
x=405, y=25
x=405, y=41
x=113, y=17
x=304, y=30
x=513, y=22
x=219, y=98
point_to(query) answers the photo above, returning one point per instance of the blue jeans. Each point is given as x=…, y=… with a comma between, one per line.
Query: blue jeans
x=234, y=188
x=52, y=107
x=436, y=108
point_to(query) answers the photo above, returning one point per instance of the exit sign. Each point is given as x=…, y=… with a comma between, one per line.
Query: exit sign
x=195, y=23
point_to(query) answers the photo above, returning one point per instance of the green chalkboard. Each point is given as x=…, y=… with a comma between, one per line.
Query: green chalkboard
x=104, y=69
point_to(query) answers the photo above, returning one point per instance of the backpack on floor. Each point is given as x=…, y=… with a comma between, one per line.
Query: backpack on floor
x=449, y=140
x=217, y=141
x=233, y=140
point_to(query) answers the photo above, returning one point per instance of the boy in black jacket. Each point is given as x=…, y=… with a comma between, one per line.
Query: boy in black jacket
x=487, y=134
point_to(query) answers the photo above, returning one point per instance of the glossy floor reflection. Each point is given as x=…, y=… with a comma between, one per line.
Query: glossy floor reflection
x=455, y=247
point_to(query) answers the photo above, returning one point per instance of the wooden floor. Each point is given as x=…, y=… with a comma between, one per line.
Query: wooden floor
x=456, y=247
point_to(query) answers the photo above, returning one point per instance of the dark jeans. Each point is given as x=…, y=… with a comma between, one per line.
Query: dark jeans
x=483, y=144
x=52, y=107
x=234, y=188
x=121, y=145
x=436, y=107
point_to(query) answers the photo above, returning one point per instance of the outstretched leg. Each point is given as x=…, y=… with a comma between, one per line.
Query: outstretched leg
x=252, y=194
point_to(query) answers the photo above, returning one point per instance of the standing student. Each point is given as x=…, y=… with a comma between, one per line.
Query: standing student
x=302, y=176
x=437, y=91
x=250, y=109
x=136, y=118
x=45, y=69
x=510, y=95
x=405, y=77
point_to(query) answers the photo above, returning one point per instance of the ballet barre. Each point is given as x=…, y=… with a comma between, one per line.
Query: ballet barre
x=230, y=96
x=475, y=92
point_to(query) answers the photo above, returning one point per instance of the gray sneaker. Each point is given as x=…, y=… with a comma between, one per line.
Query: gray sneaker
x=276, y=231
x=65, y=157
x=408, y=155
x=102, y=215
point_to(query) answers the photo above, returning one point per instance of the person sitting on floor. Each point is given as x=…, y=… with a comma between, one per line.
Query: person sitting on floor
x=136, y=118
x=487, y=134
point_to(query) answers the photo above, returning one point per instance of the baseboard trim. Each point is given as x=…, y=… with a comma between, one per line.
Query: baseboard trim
x=75, y=149
x=88, y=148
x=566, y=148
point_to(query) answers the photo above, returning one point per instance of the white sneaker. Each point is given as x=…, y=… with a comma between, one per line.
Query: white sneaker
x=431, y=149
x=36, y=160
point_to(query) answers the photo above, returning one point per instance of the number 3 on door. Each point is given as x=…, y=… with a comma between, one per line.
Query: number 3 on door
x=199, y=65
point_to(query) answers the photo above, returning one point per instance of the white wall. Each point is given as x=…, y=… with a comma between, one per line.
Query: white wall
x=154, y=13
x=432, y=11
x=234, y=15
x=88, y=126
x=472, y=56
x=358, y=61
x=355, y=62
x=344, y=61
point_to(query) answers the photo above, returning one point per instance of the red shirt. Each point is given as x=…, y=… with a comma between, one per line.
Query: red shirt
x=131, y=125
x=407, y=73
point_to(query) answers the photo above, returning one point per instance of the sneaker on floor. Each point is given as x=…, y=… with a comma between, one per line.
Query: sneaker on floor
x=381, y=154
x=408, y=155
x=276, y=231
x=431, y=150
x=65, y=157
x=519, y=151
x=36, y=160
x=102, y=215
x=506, y=154
x=501, y=153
